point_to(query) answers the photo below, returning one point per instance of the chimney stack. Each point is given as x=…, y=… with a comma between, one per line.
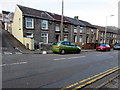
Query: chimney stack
x=75, y=17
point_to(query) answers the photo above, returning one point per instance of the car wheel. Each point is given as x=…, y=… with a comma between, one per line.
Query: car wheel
x=78, y=51
x=62, y=51
x=109, y=50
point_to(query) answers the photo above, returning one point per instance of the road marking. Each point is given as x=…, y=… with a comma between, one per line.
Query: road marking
x=18, y=53
x=7, y=53
x=69, y=58
x=13, y=64
x=92, y=79
x=59, y=59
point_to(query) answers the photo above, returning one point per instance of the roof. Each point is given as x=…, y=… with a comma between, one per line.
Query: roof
x=87, y=24
x=5, y=12
x=100, y=28
x=75, y=21
x=41, y=14
x=58, y=17
x=34, y=12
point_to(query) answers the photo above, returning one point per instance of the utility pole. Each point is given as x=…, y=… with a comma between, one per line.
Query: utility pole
x=62, y=20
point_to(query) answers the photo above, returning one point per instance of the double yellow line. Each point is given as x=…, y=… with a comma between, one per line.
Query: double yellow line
x=91, y=79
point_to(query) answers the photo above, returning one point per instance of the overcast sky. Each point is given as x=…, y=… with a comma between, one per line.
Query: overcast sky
x=93, y=11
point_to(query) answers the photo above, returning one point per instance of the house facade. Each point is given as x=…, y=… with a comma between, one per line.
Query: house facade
x=36, y=27
x=7, y=20
x=32, y=27
x=111, y=35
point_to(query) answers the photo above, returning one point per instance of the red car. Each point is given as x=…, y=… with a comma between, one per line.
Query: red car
x=103, y=47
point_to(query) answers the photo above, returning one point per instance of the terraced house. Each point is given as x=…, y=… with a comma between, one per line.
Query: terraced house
x=111, y=35
x=33, y=27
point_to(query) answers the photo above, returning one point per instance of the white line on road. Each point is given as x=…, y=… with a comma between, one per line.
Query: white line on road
x=13, y=64
x=60, y=59
x=18, y=53
x=68, y=58
x=8, y=53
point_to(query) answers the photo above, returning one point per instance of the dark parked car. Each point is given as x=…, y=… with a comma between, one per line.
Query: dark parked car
x=65, y=47
x=116, y=47
x=103, y=47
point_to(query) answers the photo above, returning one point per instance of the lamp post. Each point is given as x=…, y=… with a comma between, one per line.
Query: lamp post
x=106, y=28
x=62, y=20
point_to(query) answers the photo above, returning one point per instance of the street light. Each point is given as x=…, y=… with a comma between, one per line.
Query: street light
x=106, y=27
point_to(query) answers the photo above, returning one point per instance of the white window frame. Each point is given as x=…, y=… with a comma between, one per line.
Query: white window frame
x=65, y=37
x=46, y=24
x=29, y=22
x=57, y=28
x=45, y=36
x=81, y=29
x=29, y=36
x=75, y=29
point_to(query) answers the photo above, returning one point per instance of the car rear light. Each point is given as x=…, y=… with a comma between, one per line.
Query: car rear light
x=58, y=46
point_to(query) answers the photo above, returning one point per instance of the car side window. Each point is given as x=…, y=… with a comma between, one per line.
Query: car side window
x=72, y=44
x=65, y=43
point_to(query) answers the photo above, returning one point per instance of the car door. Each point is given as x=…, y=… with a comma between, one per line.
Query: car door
x=73, y=47
x=66, y=46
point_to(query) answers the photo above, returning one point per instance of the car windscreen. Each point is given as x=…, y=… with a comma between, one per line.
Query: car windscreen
x=117, y=45
x=103, y=45
x=56, y=43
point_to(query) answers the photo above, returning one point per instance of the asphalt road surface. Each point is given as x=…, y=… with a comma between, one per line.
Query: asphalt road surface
x=54, y=70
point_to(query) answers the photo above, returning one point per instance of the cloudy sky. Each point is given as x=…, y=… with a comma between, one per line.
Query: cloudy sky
x=93, y=11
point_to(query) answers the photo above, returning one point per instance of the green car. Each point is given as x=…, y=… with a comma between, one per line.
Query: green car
x=65, y=47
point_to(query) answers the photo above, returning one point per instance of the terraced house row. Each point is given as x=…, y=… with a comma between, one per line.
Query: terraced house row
x=33, y=27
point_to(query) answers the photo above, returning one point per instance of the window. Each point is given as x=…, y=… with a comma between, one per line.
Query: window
x=65, y=28
x=29, y=35
x=72, y=44
x=80, y=38
x=81, y=29
x=44, y=37
x=65, y=43
x=29, y=23
x=75, y=29
x=44, y=24
x=66, y=38
x=57, y=27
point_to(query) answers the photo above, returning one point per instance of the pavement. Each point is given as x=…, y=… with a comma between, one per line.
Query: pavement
x=111, y=81
x=15, y=45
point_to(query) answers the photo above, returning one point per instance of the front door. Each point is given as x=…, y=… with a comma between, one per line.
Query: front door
x=57, y=37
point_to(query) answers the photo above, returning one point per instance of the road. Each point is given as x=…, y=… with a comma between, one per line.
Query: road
x=50, y=70
x=54, y=70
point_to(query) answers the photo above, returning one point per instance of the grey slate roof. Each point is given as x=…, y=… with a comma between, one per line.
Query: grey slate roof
x=87, y=24
x=34, y=12
x=102, y=29
x=75, y=21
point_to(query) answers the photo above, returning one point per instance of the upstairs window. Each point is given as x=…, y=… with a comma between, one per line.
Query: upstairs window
x=29, y=23
x=66, y=28
x=81, y=29
x=44, y=24
x=57, y=28
x=75, y=29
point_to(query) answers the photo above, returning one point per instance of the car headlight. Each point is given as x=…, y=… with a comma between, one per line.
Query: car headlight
x=78, y=47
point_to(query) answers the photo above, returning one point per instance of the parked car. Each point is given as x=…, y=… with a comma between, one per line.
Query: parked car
x=116, y=47
x=103, y=47
x=65, y=47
